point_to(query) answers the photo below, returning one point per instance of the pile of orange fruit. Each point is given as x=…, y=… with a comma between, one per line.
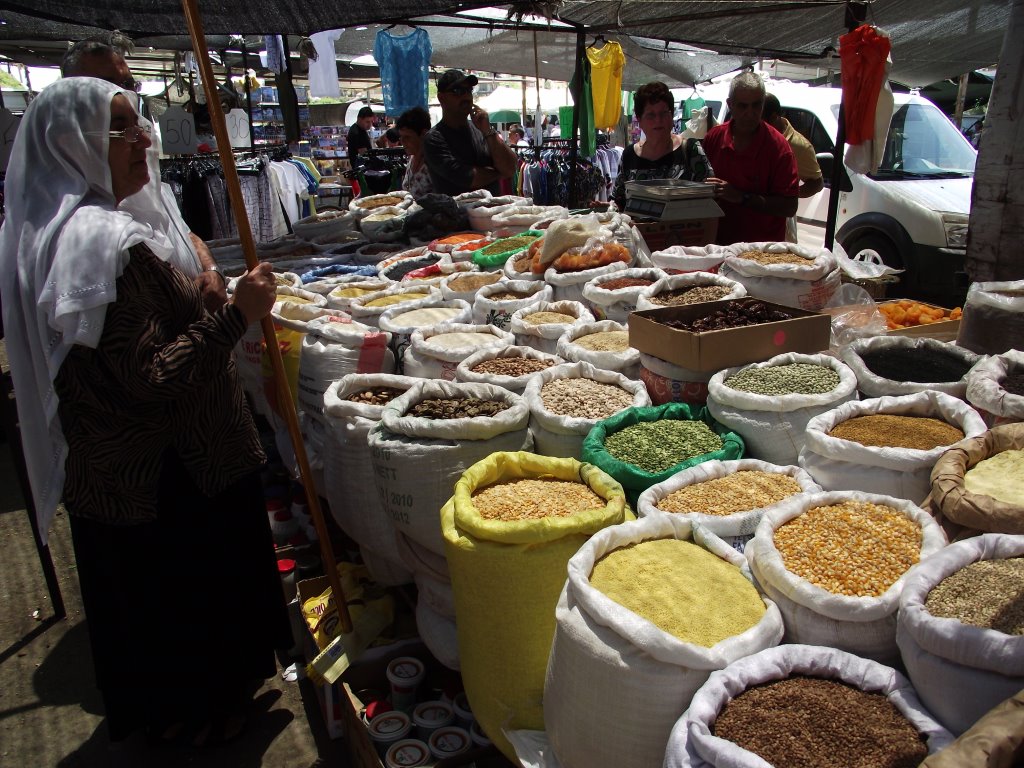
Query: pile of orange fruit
x=906, y=313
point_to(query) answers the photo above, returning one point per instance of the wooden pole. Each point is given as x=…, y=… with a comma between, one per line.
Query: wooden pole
x=284, y=396
x=961, y=97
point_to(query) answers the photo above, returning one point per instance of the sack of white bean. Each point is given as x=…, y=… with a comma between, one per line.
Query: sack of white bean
x=650, y=609
x=509, y=530
x=830, y=711
x=835, y=563
x=604, y=344
x=770, y=403
x=540, y=325
x=511, y=367
x=961, y=629
x=435, y=352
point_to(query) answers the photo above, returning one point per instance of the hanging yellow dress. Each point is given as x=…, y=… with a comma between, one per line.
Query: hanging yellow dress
x=606, y=65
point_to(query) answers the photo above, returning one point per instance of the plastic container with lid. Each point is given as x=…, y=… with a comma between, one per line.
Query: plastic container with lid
x=286, y=569
x=407, y=753
x=389, y=728
x=283, y=527
x=463, y=712
x=431, y=715
x=405, y=675
x=449, y=741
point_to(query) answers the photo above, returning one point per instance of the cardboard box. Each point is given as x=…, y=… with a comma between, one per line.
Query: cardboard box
x=944, y=330
x=659, y=235
x=807, y=332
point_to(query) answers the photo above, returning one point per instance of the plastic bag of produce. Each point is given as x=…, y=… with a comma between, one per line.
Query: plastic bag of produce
x=510, y=367
x=540, y=325
x=691, y=288
x=993, y=320
x=435, y=353
x=496, y=303
x=902, y=365
x=604, y=344
x=995, y=386
x=614, y=296
x=783, y=273
x=497, y=253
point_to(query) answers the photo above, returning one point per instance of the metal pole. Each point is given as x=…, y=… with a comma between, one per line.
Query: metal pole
x=248, y=90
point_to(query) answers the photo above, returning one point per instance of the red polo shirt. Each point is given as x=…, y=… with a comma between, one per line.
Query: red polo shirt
x=766, y=167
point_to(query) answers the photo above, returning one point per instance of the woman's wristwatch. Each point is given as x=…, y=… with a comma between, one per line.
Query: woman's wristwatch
x=218, y=270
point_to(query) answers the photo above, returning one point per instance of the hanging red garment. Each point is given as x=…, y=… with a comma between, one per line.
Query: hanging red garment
x=863, y=53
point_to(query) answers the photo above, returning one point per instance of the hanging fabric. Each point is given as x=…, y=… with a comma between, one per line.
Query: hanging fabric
x=606, y=66
x=581, y=90
x=693, y=101
x=275, y=52
x=404, y=62
x=867, y=97
x=323, y=71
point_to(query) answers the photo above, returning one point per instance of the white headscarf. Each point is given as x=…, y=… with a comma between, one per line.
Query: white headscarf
x=63, y=245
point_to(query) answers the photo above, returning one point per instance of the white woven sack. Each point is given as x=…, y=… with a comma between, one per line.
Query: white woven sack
x=689, y=280
x=430, y=572
x=371, y=315
x=616, y=304
x=325, y=285
x=520, y=218
x=568, y=286
x=773, y=426
x=418, y=460
x=430, y=360
x=735, y=529
x=392, y=320
x=438, y=633
x=464, y=370
x=357, y=206
x=692, y=744
x=626, y=362
x=616, y=683
x=679, y=259
x=499, y=311
x=448, y=292
x=562, y=436
x=384, y=570
x=481, y=212
x=353, y=499
x=544, y=336
x=383, y=225
x=344, y=303
x=986, y=394
x=511, y=273
x=794, y=285
x=324, y=224
x=960, y=671
x=838, y=465
x=667, y=382
x=873, y=385
x=470, y=199
x=862, y=625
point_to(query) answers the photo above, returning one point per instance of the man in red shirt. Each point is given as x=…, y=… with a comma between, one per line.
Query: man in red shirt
x=755, y=169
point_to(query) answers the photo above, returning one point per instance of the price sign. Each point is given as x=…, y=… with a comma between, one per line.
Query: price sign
x=238, y=128
x=9, y=123
x=177, y=132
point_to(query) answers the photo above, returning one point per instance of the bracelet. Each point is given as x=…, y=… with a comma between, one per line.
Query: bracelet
x=218, y=270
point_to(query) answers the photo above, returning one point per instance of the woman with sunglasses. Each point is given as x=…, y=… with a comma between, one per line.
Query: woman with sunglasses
x=660, y=154
x=131, y=412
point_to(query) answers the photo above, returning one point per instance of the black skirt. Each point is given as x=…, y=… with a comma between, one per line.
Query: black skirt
x=184, y=611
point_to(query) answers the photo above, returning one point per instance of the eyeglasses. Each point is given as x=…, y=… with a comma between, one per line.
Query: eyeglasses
x=461, y=90
x=131, y=134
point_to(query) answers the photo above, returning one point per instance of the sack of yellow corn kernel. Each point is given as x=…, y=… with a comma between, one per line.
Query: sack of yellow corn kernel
x=510, y=528
x=650, y=609
x=989, y=391
x=835, y=564
x=961, y=640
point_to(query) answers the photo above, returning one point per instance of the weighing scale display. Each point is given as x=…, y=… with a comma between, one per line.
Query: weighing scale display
x=645, y=207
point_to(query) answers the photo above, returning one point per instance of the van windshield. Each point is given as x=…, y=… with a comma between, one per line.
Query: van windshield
x=923, y=143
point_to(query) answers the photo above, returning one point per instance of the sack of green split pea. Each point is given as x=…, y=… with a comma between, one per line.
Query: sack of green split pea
x=510, y=528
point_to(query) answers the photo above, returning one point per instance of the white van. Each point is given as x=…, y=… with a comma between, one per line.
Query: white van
x=913, y=212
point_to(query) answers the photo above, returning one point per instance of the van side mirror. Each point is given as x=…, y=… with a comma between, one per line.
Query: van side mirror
x=826, y=161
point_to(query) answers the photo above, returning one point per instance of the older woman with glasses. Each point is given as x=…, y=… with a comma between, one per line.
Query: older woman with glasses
x=660, y=154
x=131, y=412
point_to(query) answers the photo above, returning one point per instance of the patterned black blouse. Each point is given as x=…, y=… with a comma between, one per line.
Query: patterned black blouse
x=687, y=161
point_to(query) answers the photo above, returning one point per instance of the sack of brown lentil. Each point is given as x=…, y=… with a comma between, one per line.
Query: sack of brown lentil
x=961, y=628
x=510, y=368
x=679, y=259
x=650, y=609
x=604, y=344
x=902, y=365
x=979, y=483
x=728, y=498
x=566, y=401
x=540, y=325
x=995, y=386
x=994, y=741
x=352, y=406
x=370, y=306
x=993, y=320
x=427, y=438
x=804, y=705
x=614, y=296
x=640, y=447
x=835, y=563
x=770, y=403
x=466, y=285
x=691, y=288
x=401, y=322
x=887, y=444
x=496, y=303
x=783, y=273
x=509, y=530
x=436, y=352
x=669, y=383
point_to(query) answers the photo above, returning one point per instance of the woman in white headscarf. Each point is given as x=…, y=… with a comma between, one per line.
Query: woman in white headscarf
x=131, y=411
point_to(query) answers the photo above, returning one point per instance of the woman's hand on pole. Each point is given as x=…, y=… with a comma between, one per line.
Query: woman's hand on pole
x=255, y=292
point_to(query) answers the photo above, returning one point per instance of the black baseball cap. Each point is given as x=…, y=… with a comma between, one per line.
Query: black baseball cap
x=453, y=78
x=365, y=112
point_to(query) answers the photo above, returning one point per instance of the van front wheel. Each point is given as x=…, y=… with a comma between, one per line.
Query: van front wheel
x=874, y=248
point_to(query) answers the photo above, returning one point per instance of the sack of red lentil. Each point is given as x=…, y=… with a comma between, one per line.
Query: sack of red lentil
x=650, y=609
x=994, y=741
x=640, y=447
x=436, y=352
x=509, y=530
x=903, y=365
x=960, y=630
x=728, y=498
x=679, y=259
x=835, y=563
x=566, y=401
x=691, y=288
x=540, y=325
x=770, y=403
x=614, y=296
x=369, y=307
x=510, y=368
x=995, y=386
x=669, y=383
x=352, y=406
x=604, y=344
x=496, y=303
x=427, y=438
x=401, y=322
x=979, y=483
x=804, y=705
x=887, y=444
x=783, y=273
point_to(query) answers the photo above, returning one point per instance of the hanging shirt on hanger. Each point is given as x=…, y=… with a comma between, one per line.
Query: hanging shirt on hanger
x=323, y=73
x=404, y=62
x=606, y=83
x=275, y=53
x=580, y=87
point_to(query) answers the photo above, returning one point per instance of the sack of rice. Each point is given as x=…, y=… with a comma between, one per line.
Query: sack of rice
x=402, y=322
x=679, y=259
x=540, y=325
x=669, y=383
x=614, y=295
x=783, y=273
x=902, y=365
x=995, y=386
x=509, y=367
x=604, y=344
x=435, y=352
x=496, y=303
x=370, y=306
x=691, y=288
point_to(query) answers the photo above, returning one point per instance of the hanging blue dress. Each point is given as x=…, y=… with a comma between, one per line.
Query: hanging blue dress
x=404, y=62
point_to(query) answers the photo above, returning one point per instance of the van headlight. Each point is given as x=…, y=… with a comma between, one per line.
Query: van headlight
x=955, y=225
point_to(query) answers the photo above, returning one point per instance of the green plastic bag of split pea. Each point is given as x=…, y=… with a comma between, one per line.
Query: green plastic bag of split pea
x=496, y=254
x=636, y=480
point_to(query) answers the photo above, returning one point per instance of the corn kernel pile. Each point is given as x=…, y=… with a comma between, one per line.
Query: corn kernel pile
x=533, y=499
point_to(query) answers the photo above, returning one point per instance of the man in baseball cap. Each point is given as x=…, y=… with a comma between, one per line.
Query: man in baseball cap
x=463, y=152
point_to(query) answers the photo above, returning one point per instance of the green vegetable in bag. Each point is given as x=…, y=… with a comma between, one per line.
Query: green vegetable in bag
x=498, y=252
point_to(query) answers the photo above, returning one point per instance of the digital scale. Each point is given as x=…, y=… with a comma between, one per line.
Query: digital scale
x=671, y=200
